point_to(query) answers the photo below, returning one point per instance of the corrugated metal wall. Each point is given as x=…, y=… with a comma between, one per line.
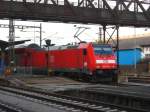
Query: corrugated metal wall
x=2, y=66
x=129, y=56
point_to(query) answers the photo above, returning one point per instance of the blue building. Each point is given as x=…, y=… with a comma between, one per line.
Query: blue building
x=129, y=56
x=132, y=50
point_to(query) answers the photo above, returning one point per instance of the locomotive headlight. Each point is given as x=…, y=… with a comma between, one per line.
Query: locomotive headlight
x=98, y=67
x=85, y=64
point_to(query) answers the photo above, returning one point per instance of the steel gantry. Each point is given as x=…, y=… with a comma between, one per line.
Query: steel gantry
x=105, y=12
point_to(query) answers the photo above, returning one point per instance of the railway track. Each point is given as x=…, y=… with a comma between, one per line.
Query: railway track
x=7, y=108
x=71, y=104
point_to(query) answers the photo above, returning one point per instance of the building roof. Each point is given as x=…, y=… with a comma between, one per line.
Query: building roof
x=134, y=43
x=5, y=44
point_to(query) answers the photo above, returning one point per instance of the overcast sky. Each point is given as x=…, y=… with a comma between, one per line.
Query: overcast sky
x=61, y=33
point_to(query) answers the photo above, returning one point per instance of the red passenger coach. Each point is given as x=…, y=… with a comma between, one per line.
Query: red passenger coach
x=94, y=61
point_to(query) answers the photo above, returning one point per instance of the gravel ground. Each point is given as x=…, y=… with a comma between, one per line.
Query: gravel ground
x=49, y=83
x=60, y=84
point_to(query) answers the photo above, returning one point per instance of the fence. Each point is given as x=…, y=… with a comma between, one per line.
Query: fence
x=30, y=71
x=140, y=68
x=23, y=70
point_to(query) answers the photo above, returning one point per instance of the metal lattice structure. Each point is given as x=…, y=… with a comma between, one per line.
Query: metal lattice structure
x=105, y=12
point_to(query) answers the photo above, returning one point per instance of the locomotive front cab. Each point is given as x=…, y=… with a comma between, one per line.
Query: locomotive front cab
x=105, y=59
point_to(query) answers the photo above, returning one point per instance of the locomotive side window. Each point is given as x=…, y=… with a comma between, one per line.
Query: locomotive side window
x=84, y=51
x=102, y=49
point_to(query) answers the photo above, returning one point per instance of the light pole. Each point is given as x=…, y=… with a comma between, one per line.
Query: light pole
x=48, y=44
x=12, y=49
x=135, y=50
x=40, y=34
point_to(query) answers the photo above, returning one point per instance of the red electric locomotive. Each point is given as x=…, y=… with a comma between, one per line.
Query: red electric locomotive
x=94, y=61
x=32, y=57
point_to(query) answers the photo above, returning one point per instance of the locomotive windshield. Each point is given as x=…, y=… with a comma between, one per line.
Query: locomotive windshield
x=103, y=49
